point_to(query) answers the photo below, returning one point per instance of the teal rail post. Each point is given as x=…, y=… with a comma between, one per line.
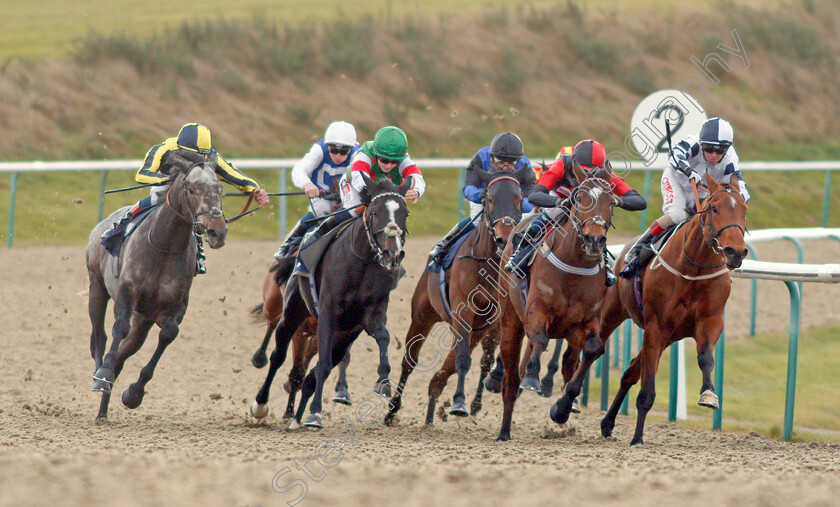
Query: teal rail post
x=462, y=175
x=717, y=415
x=826, y=198
x=646, y=193
x=672, y=391
x=102, y=178
x=605, y=379
x=13, y=195
x=282, y=212
x=753, y=292
x=800, y=256
x=625, y=359
x=584, y=397
x=793, y=351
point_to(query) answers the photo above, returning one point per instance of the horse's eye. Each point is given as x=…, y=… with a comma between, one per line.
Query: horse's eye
x=190, y=190
x=714, y=209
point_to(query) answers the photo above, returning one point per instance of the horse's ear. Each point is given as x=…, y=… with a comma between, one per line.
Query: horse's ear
x=733, y=183
x=405, y=186
x=485, y=176
x=213, y=158
x=520, y=174
x=578, y=171
x=711, y=184
x=367, y=192
x=178, y=162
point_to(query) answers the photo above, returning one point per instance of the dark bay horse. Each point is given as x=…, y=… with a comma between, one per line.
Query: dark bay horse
x=566, y=290
x=684, y=292
x=354, y=278
x=150, y=280
x=473, y=293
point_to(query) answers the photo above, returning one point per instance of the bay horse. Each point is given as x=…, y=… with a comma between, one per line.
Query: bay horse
x=354, y=279
x=567, y=285
x=683, y=293
x=150, y=280
x=472, y=281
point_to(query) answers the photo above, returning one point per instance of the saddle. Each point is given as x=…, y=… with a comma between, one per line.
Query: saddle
x=114, y=241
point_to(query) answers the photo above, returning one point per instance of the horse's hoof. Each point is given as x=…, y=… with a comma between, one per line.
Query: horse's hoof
x=259, y=410
x=530, y=383
x=287, y=386
x=637, y=443
x=607, y=426
x=295, y=424
x=130, y=400
x=709, y=399
x=557, y=414
x=313, y=421
x=493, y=385
x=545, y=390
x=288, y=415
x=343, y=397
x=575, y=407
x=102, y=419
x=383, y=388
x=103, y=380
x=503, y=437
x=459, y=409
x=259, y=359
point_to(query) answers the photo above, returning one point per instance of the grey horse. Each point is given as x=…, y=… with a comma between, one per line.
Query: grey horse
x=150, y=280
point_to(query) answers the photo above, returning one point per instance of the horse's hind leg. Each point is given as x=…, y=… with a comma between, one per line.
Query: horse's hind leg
x=132, y=396
x=547, y=382
x=105, y=374
x=488, y=345
x=493, y=382
x=342, y=393
x=628, y=380
x=97, y=306
x=293, y=314
x=272, y=310
x=593, y=348
x=304, y=347
x=531, y=380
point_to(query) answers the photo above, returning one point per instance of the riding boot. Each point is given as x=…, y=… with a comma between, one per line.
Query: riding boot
x=524, y=246
x=112, y=237
x=631, y=260
x=292, y=239
x=200, y=264
x=439, y=250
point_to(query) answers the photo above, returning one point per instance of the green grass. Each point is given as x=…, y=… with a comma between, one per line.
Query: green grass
x=755, y=372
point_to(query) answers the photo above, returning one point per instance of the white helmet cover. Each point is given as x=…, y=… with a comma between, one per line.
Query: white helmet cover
x=341, y=133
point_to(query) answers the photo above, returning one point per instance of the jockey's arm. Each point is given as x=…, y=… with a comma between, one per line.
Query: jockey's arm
x=408, y=169
x=229, y=173
x=150, y=172
x=732, y=168
x=626, y=196
x=472, y=183
x=540, y=195
x=303, y=169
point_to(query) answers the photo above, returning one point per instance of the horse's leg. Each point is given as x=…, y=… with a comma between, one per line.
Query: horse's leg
x=707, y=333
x=651, y=353
x=628, y=380
x=423, y=318
x=547, y=382
x=531, y=381
x=593, y=348
x=493, y=382
x=105, y=375
x=510, y=346
x=272, y=309
x=342, y=393
x=294, y=313
x=97, y=306
x=438, y=383
x=375, y=326
x=132, y=396
x=301, y=355
x=331, y=350
x=488, y=345
x=612, y=315
x=462, y=366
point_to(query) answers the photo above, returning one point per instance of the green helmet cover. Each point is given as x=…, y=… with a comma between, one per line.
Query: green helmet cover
x=390, y=142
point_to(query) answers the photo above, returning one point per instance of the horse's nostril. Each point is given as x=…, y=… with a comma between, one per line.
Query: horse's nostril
x=211, y=233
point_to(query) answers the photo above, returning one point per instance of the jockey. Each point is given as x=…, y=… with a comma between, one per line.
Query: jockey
x=193, y=139
x=318, y=172
x=554, y=189
x=384, y=157
x=505, y=153
x=690, y=160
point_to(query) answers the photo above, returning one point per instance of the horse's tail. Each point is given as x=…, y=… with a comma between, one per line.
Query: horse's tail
x=257, y=312
x=282, y=269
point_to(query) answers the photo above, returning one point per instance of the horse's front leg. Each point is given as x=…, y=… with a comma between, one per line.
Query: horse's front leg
x=342, y=392
x=105, y=374
x=488, y=346
x=463, y=361
x=375, y=326
x=593, y=348
x=132, y=397
x=531, y=380
x=493, y=382
x=707, y=334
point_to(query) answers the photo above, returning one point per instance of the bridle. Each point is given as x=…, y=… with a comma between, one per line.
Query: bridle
x=506, y=220
x=710, y=235
x=198, y=227
x=389, y=230
x=579, y=225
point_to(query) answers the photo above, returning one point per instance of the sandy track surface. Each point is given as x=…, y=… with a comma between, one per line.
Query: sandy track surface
x=191, y=441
